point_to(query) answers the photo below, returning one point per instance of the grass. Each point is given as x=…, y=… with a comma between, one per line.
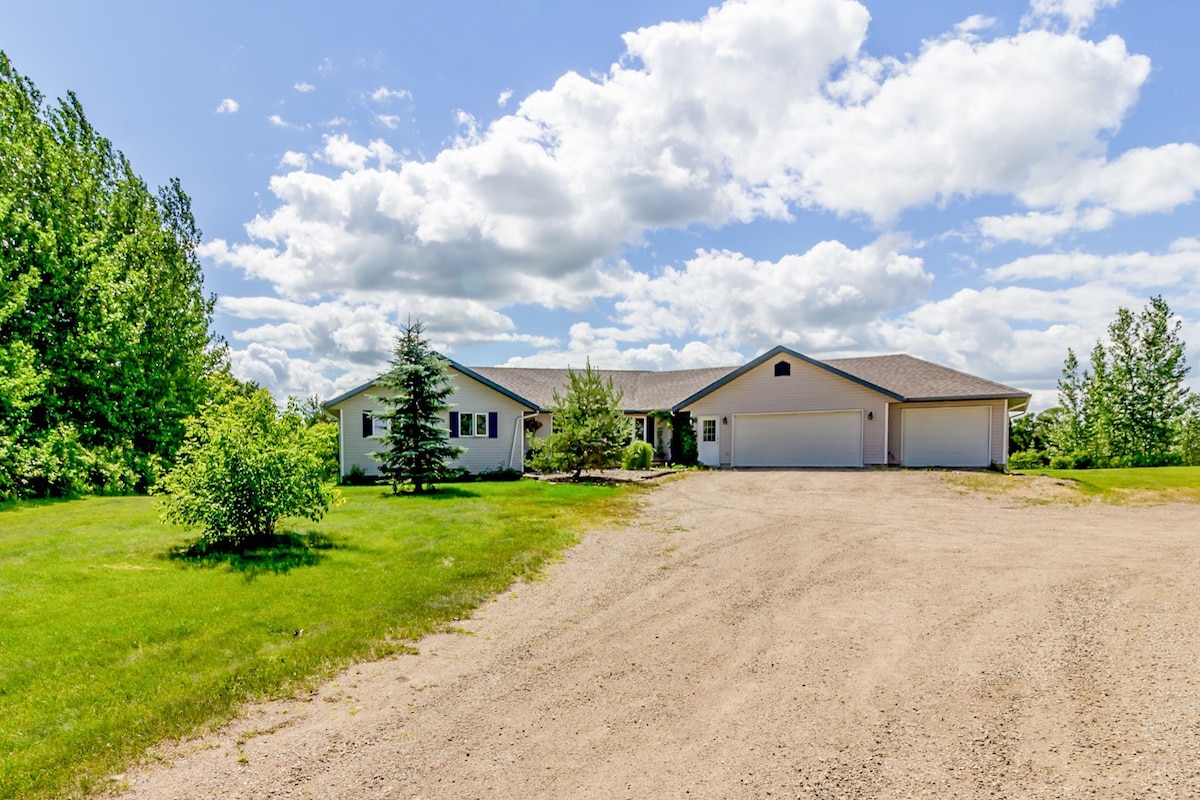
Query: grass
x=110, y=641
x=1142, y=484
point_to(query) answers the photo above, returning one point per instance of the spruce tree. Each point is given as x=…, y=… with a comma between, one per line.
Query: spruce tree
x=590, y=430
x=417, y=450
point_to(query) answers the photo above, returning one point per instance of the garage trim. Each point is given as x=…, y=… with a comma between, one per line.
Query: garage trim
x=861, y=434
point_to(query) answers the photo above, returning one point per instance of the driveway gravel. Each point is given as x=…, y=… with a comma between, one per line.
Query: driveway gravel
x=777, y=634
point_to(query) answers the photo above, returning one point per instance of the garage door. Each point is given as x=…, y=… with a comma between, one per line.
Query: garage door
x=946, y=437
x=822, y=439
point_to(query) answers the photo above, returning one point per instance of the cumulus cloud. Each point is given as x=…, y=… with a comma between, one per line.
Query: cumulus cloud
x=294, y=160
x=762, y=109
x=303, y=87
x=227, y=106
x=279, y=122
x=730, y=118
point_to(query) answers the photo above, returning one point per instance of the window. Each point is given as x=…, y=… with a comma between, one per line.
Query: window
x=373, y=426
x=709, y=433
x=476, y=424
x=639, y=429
x=783, y=368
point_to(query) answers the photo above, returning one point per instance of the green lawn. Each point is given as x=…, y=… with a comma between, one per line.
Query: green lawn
x=108, y=645
x=1143, y=483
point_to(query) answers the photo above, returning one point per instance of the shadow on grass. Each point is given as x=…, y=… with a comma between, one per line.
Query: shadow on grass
x=279, y=553
x=441, y=493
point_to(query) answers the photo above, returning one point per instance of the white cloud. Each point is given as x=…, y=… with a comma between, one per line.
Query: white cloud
x=386, y=95
x=391, y=121
x=279, y=122
x=326, y=66
x=504, y=97
x=1077, y=15
x=294, y=160
x=714, y=121
x=1036, y=227
x=227, y=106
x=1180, y=266
x=336, y=122
x=762, y=109
x=303, y=87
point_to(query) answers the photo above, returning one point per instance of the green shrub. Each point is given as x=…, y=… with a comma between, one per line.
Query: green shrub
x=356, y=477
x=244, y=466
x=1027, y=459
x=638, y=455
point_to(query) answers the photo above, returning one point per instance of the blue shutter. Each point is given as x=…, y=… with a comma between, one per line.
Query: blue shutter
x=368, y=425
x=492, y=419
x=453, y=424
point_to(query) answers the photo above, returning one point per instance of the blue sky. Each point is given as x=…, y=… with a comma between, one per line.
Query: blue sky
x=656, y=184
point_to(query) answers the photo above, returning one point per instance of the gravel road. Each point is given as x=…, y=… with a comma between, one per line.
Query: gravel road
x=777, y=634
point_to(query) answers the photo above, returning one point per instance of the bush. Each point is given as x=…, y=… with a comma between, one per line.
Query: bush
x=638, y=455
x=356, y=477
x=1027, y=459
x=244, y=466
x=1075, y=460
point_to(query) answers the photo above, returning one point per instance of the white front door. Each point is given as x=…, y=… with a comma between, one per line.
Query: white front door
x=708, y=441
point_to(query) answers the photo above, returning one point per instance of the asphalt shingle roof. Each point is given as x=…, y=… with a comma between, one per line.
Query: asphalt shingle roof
x=909, y=378
x=645, y=390
x=915, y=379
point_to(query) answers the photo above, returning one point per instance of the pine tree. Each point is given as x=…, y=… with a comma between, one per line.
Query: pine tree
x=417, y=448
x=590, y=430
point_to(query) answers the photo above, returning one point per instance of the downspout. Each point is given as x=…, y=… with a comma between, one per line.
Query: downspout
x=341, y=443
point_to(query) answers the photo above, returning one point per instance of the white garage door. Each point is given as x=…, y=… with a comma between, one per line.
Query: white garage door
x=819, y=439
x=946, y=437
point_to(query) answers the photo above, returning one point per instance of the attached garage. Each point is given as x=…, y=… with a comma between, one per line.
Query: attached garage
x=810, y=439
x=950, y=436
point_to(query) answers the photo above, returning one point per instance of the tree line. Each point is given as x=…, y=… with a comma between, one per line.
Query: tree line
x=1127, y=407
x=105, y=346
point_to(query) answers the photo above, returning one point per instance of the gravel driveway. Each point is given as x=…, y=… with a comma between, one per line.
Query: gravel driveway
x=783, y=634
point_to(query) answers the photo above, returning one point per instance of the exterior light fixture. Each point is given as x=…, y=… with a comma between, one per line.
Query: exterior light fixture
x=870, y=415
x=724, y=420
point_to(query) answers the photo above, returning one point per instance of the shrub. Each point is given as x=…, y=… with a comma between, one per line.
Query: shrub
x=1027, y=459
x=242, y=467
x=638, y=455
x=356, y=477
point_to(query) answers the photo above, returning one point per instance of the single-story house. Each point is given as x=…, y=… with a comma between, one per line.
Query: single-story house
x=782, y=409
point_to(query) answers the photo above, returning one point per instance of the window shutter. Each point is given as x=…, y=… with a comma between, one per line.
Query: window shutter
x=368, y=425
x=650, y=430
x=453, y=424
x=493, y=417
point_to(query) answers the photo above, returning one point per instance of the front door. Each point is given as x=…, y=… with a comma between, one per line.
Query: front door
x=708, y=441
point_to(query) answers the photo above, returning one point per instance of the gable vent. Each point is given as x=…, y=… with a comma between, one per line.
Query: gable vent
x=783, y=368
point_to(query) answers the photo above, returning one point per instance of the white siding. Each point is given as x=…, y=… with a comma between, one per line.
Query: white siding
x=808, y=388
x=999, y=443
x=470, y=396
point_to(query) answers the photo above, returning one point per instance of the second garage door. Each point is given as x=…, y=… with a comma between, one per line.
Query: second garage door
x=946, y=437
x=818, y=439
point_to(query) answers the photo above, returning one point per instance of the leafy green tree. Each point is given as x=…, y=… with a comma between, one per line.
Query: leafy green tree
x=107, y=305
x=590, y=430
x=417, y=447
x=1035, y=433
x=243, y=467
x=1132, y=406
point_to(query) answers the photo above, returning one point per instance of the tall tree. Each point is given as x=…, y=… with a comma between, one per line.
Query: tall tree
x=417, y=447
x=590, y=430
x=108, y=294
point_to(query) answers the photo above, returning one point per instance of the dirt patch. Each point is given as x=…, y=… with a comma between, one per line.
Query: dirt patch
x=795, y=634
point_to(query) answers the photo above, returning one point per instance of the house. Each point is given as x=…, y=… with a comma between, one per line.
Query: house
x=782, y=409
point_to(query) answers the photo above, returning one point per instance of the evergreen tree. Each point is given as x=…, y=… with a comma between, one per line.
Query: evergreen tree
x=590, y=430
x=417, y=448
